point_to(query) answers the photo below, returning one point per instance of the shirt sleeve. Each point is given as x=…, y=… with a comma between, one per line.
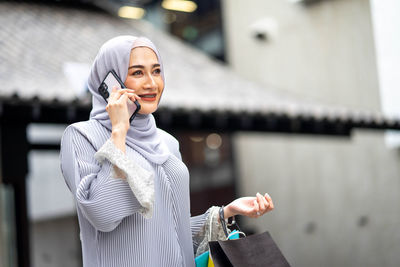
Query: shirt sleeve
x=104, y=200
x=197, y=224
x=205, y=228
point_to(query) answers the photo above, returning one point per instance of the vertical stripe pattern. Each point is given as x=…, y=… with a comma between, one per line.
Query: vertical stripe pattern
x=113, y=233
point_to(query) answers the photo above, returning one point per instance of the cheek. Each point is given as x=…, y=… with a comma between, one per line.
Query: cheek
x=161, y=85
x=131, y=83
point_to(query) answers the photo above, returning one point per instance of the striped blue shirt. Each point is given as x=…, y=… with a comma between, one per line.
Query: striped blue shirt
x=112, y=231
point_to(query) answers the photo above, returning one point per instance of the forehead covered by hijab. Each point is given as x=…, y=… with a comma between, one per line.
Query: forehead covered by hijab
x=115, y=55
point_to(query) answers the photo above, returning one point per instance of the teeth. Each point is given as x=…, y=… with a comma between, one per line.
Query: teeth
x=148, y=96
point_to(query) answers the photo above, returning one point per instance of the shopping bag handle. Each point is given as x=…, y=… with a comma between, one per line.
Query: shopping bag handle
x=235, y=232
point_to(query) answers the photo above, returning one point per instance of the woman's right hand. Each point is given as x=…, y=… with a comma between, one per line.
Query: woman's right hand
x=117, y=109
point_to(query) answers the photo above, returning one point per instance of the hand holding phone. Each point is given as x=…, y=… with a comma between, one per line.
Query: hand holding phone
x=105, y=89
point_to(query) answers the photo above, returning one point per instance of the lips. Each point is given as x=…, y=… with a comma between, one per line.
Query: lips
x=148, y=97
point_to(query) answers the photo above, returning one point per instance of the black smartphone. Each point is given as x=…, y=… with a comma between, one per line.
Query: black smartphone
x=105, y=89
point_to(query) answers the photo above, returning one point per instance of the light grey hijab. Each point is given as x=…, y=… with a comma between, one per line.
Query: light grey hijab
x=142, y=135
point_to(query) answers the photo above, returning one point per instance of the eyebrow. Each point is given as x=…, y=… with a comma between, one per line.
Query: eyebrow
x=142, y=67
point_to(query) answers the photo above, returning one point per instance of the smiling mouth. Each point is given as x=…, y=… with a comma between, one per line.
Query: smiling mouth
x=148, y=97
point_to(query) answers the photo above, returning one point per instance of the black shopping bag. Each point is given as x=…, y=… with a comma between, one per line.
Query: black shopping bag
x=251, y=251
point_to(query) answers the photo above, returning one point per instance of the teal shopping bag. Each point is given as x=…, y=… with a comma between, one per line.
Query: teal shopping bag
x=202, y=260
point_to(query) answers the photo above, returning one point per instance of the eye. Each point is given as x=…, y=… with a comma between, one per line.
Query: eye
x=157, y=71
x=137, y=72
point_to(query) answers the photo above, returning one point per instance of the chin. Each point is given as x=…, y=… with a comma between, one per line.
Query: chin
x=147, y=110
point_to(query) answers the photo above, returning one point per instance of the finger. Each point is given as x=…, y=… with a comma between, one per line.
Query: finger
x=266, y=203
x=133, y=97
x=269, y=199
x=261, y=203
x=125, y=90
x=123, y=98
x=121, y=101
x=115, y=94
x=129, y=95
x=129, y=90
x=256, y=208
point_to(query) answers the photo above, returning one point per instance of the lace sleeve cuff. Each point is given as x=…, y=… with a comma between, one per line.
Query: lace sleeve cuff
x=140, y=180
x=212, y=230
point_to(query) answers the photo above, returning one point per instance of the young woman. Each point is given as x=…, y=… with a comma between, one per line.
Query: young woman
x=130, y=185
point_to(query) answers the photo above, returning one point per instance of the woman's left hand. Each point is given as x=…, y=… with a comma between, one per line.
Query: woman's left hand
x=249, y=206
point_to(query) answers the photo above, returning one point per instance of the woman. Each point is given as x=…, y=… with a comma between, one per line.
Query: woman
x=128, y=180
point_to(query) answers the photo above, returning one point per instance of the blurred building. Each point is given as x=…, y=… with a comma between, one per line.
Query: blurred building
x=336, y=198
x=211, y=109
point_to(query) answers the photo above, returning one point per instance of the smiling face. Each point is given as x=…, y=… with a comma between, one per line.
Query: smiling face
x=144, y=76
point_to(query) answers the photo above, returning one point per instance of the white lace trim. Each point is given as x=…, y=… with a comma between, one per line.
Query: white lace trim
x=212, y=230
x=140, y=180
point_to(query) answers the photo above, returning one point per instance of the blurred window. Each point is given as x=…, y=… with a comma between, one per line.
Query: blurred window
x=208, y=157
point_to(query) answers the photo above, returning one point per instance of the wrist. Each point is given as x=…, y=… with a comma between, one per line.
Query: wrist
x=228, y=212
x=118, y=137
x=118, y=133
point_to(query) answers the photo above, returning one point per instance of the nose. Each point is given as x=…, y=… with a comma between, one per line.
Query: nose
x=150, y=83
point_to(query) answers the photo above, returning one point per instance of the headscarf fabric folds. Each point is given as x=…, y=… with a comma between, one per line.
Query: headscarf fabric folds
x=142, y=135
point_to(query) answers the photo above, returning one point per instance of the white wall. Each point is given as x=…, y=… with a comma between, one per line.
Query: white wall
x=386, y=25
x=336, y=198
x=324, y=51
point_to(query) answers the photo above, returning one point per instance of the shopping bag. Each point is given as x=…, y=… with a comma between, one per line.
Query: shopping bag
x=251, y=251
x=204, y=259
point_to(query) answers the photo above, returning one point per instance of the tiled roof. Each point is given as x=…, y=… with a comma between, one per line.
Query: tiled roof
x=38, y=42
